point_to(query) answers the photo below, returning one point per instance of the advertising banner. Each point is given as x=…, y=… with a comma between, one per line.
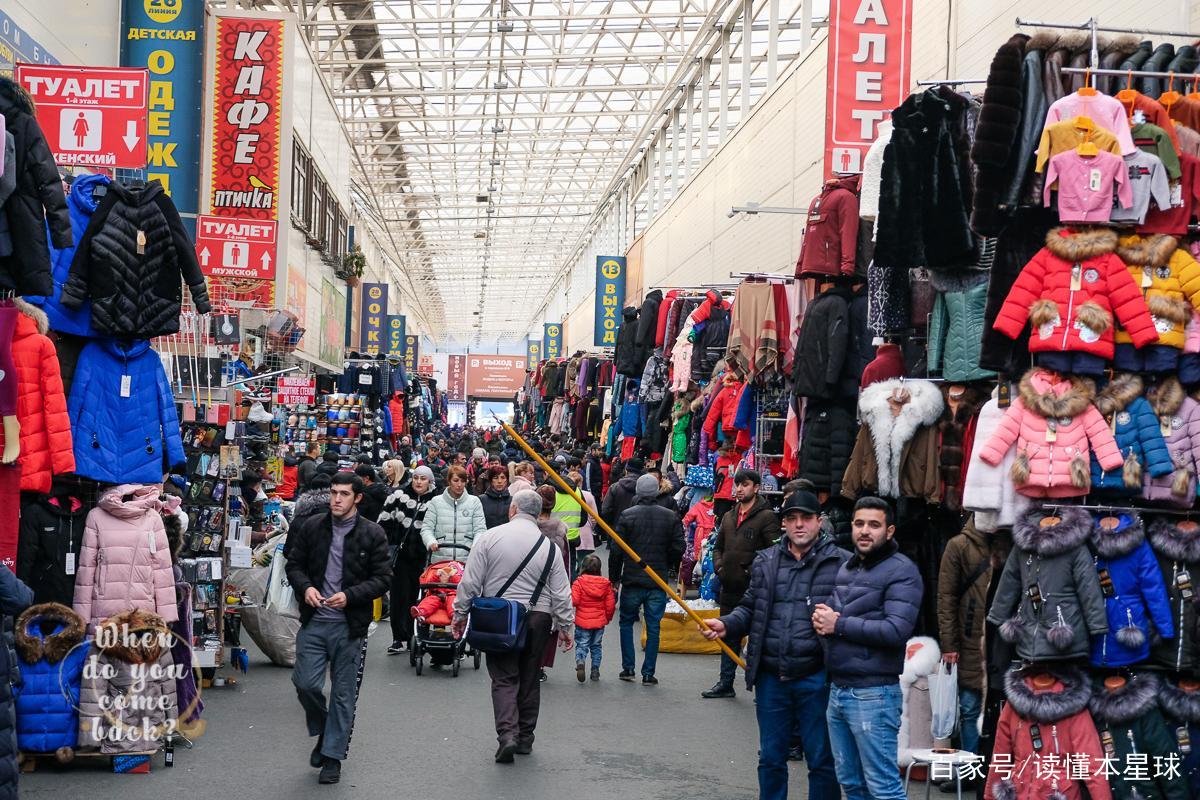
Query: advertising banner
x=373, y=317
x=456, y=379
x=236, y=248
x=396, y=324
x=167, y=37
x=333, y=312
x=552, y=340
x=91, y=116
x=533, y=351
x=494, y=377
x=610, y=298
x=412, y=353
x=17, y=46
x=292, y=391
x=870, y=58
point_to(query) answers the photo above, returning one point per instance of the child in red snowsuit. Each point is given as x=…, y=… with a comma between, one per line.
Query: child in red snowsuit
x=437, y=606
x=595, y=604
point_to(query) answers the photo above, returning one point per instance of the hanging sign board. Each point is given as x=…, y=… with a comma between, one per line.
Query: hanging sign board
x=425, y=366
x=456, y=378
x=610, y=297
x=396, y=324
x=533, y=350
x=17, y=46
x=293, y=391
x=870, y=58
x=373, y=316
x=494, y=377
x=552, y=340
x=91, y=116
x=412, y=352
x=236, y=248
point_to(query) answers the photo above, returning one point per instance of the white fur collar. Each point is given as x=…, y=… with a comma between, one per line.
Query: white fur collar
x=890, y=434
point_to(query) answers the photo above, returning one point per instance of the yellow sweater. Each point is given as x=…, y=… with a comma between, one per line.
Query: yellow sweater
x=1063, y=136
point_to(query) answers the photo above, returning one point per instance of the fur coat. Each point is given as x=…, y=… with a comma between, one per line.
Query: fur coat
x=996, y=135
x=896, y=456
x=1130, y=717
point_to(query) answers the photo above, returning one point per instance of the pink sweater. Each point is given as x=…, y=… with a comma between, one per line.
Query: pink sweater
x=1105, y=111
x=1085, y=185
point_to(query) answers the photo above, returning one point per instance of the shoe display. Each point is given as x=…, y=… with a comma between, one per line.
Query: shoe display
x=719, y=690
x=331, y=771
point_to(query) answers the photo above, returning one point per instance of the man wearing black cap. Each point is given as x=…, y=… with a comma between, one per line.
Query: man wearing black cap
x=748, y=527
x=785, y=661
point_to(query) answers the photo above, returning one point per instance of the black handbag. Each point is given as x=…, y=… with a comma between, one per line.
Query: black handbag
x=496, y=625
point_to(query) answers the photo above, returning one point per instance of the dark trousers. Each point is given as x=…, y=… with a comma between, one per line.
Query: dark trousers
x=404, y=595
x=516, y=690
x=783, y=708
x=326, y=647
x=728, y=665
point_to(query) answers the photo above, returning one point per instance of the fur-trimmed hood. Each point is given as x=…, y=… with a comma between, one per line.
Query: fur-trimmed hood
x=923, y=662
x=889, y=434
x=34, y=313
x=1068, y=697
x=1128, y=535
x=47, y=631
x=1073, y=528
x=134, y=636
x=1117, y=394
x=1042, y=40
x=1047, y=397
x=1166, y=397
x=1080, y=245
x=1173, y=543
x=311, y=502
x=1154, y=250
x=1178, y=704
x=1119, y=706
x=13, y=95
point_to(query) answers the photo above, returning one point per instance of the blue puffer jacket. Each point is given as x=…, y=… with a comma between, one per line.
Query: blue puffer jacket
x=1137, y=595
x=121, y=439
x=82, y=204
x=790, y=647
x=631, y=419
x=1135, y=427
x=51, y=654
x=878, y=599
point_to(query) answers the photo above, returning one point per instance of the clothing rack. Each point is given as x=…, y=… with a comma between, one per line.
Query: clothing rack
x=1184, y=77
x=1095, y=25
x=955, y=82
x=769, y=276
x=1170, y=512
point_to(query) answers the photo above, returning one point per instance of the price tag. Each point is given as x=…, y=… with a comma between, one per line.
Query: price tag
x=1176, y=194
x=1094, y=178
x=1051, y=430
x=150, y=539
x=1147, y=277
x=365, y=379
x=70, y=563
x=126, y=385
x=1076, y=277
x=1164, y=426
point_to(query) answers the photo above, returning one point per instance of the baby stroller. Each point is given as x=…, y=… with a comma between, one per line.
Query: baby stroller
x=434, y=613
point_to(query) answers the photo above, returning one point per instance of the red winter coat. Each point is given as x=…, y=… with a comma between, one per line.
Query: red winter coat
x=1076, y=319
x=46, y=446
x=594, y=601
x=831, y=234
x=664, y=309
x=723, y=410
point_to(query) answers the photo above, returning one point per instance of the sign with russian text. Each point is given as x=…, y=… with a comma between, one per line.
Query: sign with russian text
x=167, y=37
x=610, y=297
x=17, y=46
x=236, y=248
x=412, y=353
x=494, y=377
x=533, y=351
x=456, y=378
x=373, y=317
x=425, y=366
x=552, y=340
x=248, y=69
x=396, y=324
x=870, y=58
x=293, y=391
x=91, y=116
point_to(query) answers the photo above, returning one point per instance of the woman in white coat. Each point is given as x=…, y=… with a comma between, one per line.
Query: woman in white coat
x=452, y=519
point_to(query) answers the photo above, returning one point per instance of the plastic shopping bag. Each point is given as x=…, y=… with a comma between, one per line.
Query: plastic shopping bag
x=280, y=597
x=943, y=700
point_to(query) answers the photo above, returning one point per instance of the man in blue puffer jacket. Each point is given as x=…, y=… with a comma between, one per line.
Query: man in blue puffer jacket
x=867, y=622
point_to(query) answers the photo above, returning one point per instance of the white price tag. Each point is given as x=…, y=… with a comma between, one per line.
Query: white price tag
x=126, y=385
x=153, y=545
x=70, y=563
x=1094, y=178
x=365, y=379
x=1176, y=194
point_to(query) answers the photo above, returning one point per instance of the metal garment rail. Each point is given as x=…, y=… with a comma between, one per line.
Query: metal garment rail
x=955, y=82
x=1183, y=77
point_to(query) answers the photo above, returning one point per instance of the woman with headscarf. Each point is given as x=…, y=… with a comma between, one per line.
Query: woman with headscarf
x=402, y=518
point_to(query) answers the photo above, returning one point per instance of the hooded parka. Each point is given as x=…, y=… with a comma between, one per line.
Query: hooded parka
x=1179, y=421
x=629, y=359
x=1050, y=554
x=962, y=601
x=46, y=448
x=51, y=654
x=1181, y=709
x=1177, y=547
x=1169, y=279
x=51, y=534
x=1136, y=432
x=896, y=455
x=830, y=430
x=831, y=232
x=1129, y=717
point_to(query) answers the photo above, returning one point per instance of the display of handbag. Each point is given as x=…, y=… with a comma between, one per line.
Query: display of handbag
x=497, y=625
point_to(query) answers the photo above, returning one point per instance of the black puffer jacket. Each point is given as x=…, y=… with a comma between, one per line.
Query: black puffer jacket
x=37, y=201
x=495, y=506
x=830, y=430
x=648, y=323
x=629, y=359
x=129, y=262
x=737, y=545
x=49, y=531
x=655, y=534
x=1178, y=553
x=823, y=349
x=776, y=611
x=620, y=497
x=366, y=568
x=709, y=347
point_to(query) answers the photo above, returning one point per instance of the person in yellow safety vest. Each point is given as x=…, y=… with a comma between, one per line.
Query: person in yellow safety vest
x=568, y=509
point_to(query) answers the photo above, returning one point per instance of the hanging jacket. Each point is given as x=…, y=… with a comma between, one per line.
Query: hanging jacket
x=831, y=230
x=50, y=539
x=896, y=456
x=711, y=339
x=1169, y=279
x=81, y=203
x=954, y=334
x=1054, y=558
x=963, y=578
x=647, y=329
x=1065, y=729
x=449, y=522
x=830, y=430
x=999, y=158
x=1136, y=431
x=37, y=201
x=681, y=419
x=1055, y=429
x=1134, y=594
x=1069, y=293
x=820, y=369
x=1178, y=550
x=631, y=419
x=1179, y=421
x=129, y=262
x=51, y=655
x=124, y=667
x=121, y=437
x=723, y=410
x=653, y=383
x=988, y=489
x=1129, y=718
x=1181, y=709
x=629, y=359
x=125, y=559
x=41, y=405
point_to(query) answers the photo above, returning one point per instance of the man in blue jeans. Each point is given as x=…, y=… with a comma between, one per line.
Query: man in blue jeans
x=656, y=535
x=785, y=664
x=867, y=623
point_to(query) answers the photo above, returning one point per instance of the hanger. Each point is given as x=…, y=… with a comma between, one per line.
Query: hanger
x=1128, y=95
x=1087, y=148
x=1194, y=94
x=1170, y=97
x=1087, y=90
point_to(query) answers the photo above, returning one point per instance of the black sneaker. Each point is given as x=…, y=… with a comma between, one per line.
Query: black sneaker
x=580, y=672
x=542, y=676
x=524, y=748
x=595, y=673
x=720, y=690
x=649, y=680
x=396, y=648
x=314, y=759
x=331, y=771
x=505, y=754
x=627, y=675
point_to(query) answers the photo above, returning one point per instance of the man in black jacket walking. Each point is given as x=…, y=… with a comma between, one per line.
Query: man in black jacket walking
x=785, y=663
x=337, y=564
x=656, y=535
x=622, y=494
x=307, y=467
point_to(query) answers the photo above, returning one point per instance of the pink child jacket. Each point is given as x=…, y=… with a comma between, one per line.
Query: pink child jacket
x=1085, y=185
x=1055, y=427
x=125, y=560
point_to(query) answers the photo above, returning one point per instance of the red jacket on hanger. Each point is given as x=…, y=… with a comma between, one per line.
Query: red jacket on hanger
x=46, y=444
x=831, y=233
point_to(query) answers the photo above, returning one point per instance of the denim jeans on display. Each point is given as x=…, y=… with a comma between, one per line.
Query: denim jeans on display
x=785, y=708
x=651, y=603
x=863, y=725
x=588, y=640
